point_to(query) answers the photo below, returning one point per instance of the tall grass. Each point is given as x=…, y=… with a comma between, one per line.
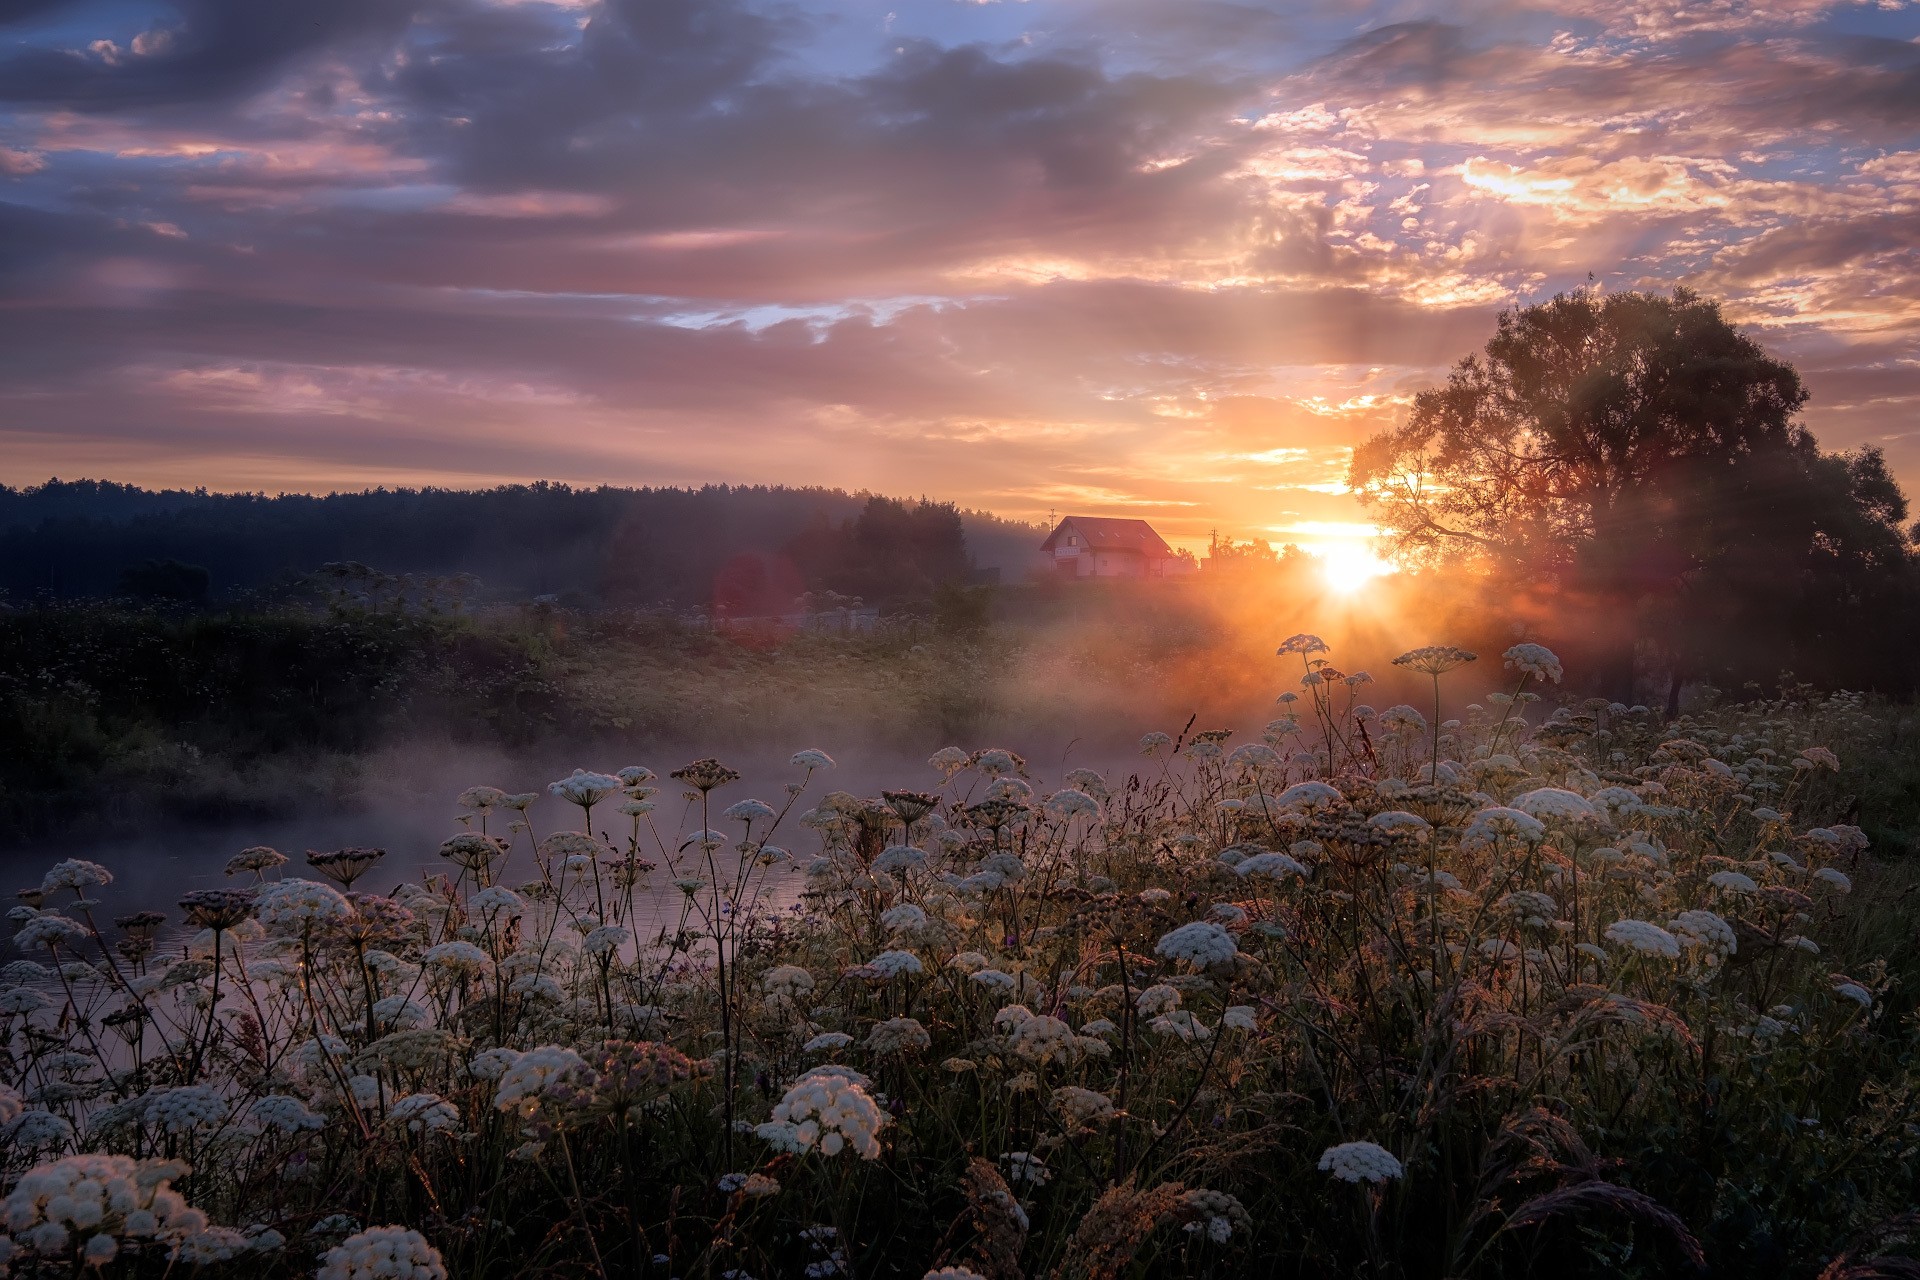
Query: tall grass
x=1378, y=993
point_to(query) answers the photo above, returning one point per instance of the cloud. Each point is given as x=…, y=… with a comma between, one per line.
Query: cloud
x=1163, y=258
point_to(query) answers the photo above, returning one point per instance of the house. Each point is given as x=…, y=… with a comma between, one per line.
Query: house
x=1099, y=547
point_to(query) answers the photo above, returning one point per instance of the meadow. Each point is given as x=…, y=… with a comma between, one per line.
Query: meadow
x=1474, y=984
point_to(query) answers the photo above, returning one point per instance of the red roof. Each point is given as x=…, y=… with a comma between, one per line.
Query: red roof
x=1101, y=533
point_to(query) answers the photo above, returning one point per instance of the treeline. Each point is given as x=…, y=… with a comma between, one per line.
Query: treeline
x=744, y=548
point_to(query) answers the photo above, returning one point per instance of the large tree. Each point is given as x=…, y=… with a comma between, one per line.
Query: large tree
x=1637, y=453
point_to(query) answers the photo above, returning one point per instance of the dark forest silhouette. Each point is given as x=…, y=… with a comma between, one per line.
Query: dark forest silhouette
x=748, y=549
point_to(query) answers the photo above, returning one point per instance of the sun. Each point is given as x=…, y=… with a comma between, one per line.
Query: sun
x=1346, y=567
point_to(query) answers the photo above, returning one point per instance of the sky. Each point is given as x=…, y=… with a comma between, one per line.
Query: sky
x=1167, y=258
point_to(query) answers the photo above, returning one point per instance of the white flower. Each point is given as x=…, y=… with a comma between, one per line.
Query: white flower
x=285, y=1113
x=1310, y=795
x=531, y=1073
x=294, y=905
x=1239, y=1017
x=948, y=760
x=899, y=857
x=1400, y=822
x=788, y=980
x=898, y=1036
x=1271, y=866
x=496, y=901
x=1068, y=803
x=1024, y=1166
x=32, y=1130
x=1157, y=999
x=814, y=758
x=827, y=1042
x=1535, y=660
x=1181, y=1025
x=1550, y=804
x=491, y=1064
x=1200, y=944
x=1403, y=721
x=1834, y=877
x=456, y=957
x=185, y=1108
x=49, y=929
x=1847, y=989
x=585, y=789
x=1732, y=882
x=1040, y=1038
x=906, y=916
x=891, y=964
x=1361, y=1162
x=1496, y=822
x=424, y=1113
x=1644, y=936
x=1152, y=742
x=605, y=940
x=384, y=1253
x=1705, y=929
x=748, y=811
x=993, y=979
x=76, y=874
x=1082, y=1107
x=828, y=1111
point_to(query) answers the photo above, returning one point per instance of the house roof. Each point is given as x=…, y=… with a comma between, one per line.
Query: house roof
x=1101, y=533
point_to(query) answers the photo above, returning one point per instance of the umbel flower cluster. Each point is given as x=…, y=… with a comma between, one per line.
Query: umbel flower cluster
x=1451, y=989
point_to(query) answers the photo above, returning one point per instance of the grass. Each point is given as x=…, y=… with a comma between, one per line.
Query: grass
x=1589, y=993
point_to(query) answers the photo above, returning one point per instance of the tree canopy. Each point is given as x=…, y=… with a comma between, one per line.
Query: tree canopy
x=1640, y=456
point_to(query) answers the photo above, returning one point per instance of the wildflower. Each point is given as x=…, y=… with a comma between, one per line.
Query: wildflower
x=1040, y=1038
x=1303, y=644
x=1403, y=721
x=285, y=1113
x=827, y=1042
x=462, y=959
x=424, y=1113
x=953, y=1273
x=1181, y=1025
x=706, y=774
x=472, y=851
x=50, y=930
x=1554, y=804
x=1216, y=1213
x=256, y=859
x=217, y=909
x=585, y=789
x=605, y=940
x=1157, y=999
x=1200, y=944
x=1821, y=757
x=830, y=1112
x=496, y=901
x=1239, y=1017
x=1361, y=1162
x=1435, y=659
x=1082, y=1108
x=34, y=1130
x=1534, y=660
x=904, y=918
x=480, y=800
x=1645, y=937
x=1835, y=878
x=748, y=811
x=1152, y=742
x=1023, y=1166
x=1271, y=866
x=1496, y=822
x=531, y=1074
x=1067, y=803
x=1310, y=796
x=891, y=964
x=384, y=1253
x=786, y=980
x=1847, y=989
x=76, y=874
x=810, y=759
x=898, y=1036
x=103, y=1198
x=491, y=1064
x=1706, y=930
x=295, y=905
x=344, y=865
x=899, y=857
x=1733, y=882
x=948, y=760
